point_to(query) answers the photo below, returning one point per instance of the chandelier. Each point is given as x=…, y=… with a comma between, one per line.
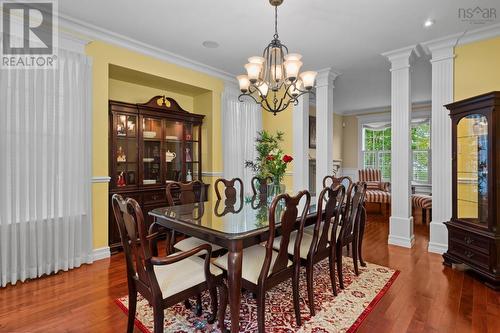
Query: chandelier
x=273, y=80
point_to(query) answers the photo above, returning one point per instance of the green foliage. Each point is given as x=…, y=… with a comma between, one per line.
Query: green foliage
x=271, y=161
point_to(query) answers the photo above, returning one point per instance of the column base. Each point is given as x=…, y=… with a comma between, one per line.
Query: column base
x=438, y=238
x=401, y=231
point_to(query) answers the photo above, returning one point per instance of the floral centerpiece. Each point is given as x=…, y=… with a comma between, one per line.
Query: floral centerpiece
x=271, y=161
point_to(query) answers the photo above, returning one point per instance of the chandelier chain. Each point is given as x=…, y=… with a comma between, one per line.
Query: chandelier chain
x=276, y=22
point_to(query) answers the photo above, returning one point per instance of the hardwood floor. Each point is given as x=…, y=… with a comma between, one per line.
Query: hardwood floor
x=426, y=297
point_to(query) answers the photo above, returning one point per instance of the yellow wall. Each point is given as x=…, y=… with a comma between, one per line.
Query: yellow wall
x=350, y=149
x=208, y=103
x=283, y=122
x=338, y=132
x=135, y=93
x=477, y=68
x=477, y=71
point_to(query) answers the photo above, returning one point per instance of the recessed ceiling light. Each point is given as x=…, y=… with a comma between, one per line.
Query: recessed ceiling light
x=210, y=44
x=428, y=23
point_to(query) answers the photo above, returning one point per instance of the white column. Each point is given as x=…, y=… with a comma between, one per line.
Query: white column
x=401, y=220
x=324, y=125
x=301, y=144
x=442, y=93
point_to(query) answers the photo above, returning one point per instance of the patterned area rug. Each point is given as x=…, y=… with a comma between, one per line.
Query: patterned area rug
x=343, y=313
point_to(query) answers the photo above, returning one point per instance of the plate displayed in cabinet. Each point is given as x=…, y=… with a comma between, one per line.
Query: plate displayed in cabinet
x=149, y=181
x=148, y=159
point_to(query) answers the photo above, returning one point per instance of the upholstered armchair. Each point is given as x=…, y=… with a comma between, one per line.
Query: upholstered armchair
x=377, y=191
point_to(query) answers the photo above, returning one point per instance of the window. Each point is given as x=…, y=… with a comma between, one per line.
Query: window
x=420, y=147
x=377, y=149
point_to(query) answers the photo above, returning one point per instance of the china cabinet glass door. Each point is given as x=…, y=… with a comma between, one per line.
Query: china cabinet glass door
x=125, y=151
x=192, y=152
x=151, y=159
x=472, y=169
x=173, y=150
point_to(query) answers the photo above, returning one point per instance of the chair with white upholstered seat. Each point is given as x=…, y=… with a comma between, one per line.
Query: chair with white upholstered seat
x=321, y=243
x=163, y=281
x=264, y=268
x=183, y=194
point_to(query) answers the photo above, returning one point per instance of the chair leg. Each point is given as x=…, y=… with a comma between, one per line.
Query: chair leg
x=310, y=290
x=355, y=254
x=296, y=301
x=187, y=304
x=214, y=305
x=158, y=319
x=331, y=259
x=424, y=217
x=199, y=308
x=339, y=267
x=261, y=310
x=360, y=237
x=221, y=314
x=132, y=306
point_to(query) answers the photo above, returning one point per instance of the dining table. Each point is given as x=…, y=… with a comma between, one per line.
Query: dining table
x=233, y=226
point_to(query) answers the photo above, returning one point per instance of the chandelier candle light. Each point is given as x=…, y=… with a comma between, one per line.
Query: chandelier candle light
x=273, y=81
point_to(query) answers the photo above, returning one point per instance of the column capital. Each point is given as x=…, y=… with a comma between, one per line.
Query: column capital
x=401, y=58
x=326, y=77
x=441, y=49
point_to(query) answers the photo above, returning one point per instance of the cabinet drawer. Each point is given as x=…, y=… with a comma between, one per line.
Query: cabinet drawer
x=154, y=197
x=469, y=255
x=470, y=240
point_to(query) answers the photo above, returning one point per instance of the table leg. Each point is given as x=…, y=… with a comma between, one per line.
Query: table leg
x=234, y=262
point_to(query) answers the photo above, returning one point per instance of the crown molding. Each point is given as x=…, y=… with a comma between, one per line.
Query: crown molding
x=415, y=106
x=465, y=37
x=91, y=32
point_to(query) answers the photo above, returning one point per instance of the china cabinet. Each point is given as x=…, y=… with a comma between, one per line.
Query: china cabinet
x=474, y=228
x=151, y=144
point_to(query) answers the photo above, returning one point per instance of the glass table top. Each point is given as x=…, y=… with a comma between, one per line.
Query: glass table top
x=232, y=221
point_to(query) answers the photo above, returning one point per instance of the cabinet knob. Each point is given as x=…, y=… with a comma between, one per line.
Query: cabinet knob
x=469, y=254
x=468, y=240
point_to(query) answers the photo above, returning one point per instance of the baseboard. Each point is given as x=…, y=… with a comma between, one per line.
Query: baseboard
x=437, y=248
x=401, y=241
x=101, y=253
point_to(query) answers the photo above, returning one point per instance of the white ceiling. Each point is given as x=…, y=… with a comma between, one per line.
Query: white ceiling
x=348, y=35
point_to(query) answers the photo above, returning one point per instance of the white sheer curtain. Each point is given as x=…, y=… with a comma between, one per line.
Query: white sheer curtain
x=240, y=123
x=45, y=165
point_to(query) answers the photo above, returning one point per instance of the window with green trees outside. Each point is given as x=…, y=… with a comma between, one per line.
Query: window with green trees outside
x=377, y=150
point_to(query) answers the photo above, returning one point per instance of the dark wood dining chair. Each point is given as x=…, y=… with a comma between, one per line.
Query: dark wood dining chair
x=321, y=244
x=332, y=181
x=263, y=267
x=164, y=281
x=350, y=229
x=183, y=194
x=231, y=194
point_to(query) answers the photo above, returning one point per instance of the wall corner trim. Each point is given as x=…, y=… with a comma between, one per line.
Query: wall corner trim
x=101, y=179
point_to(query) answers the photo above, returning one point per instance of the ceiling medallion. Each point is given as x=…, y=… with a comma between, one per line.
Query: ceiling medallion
x=273, y=80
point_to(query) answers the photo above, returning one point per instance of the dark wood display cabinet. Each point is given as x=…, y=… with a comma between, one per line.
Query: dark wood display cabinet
x=151, y=144
x=474, y=229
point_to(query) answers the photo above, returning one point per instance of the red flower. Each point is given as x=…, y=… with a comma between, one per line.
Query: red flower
x=270, y=157
x=287, y=158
